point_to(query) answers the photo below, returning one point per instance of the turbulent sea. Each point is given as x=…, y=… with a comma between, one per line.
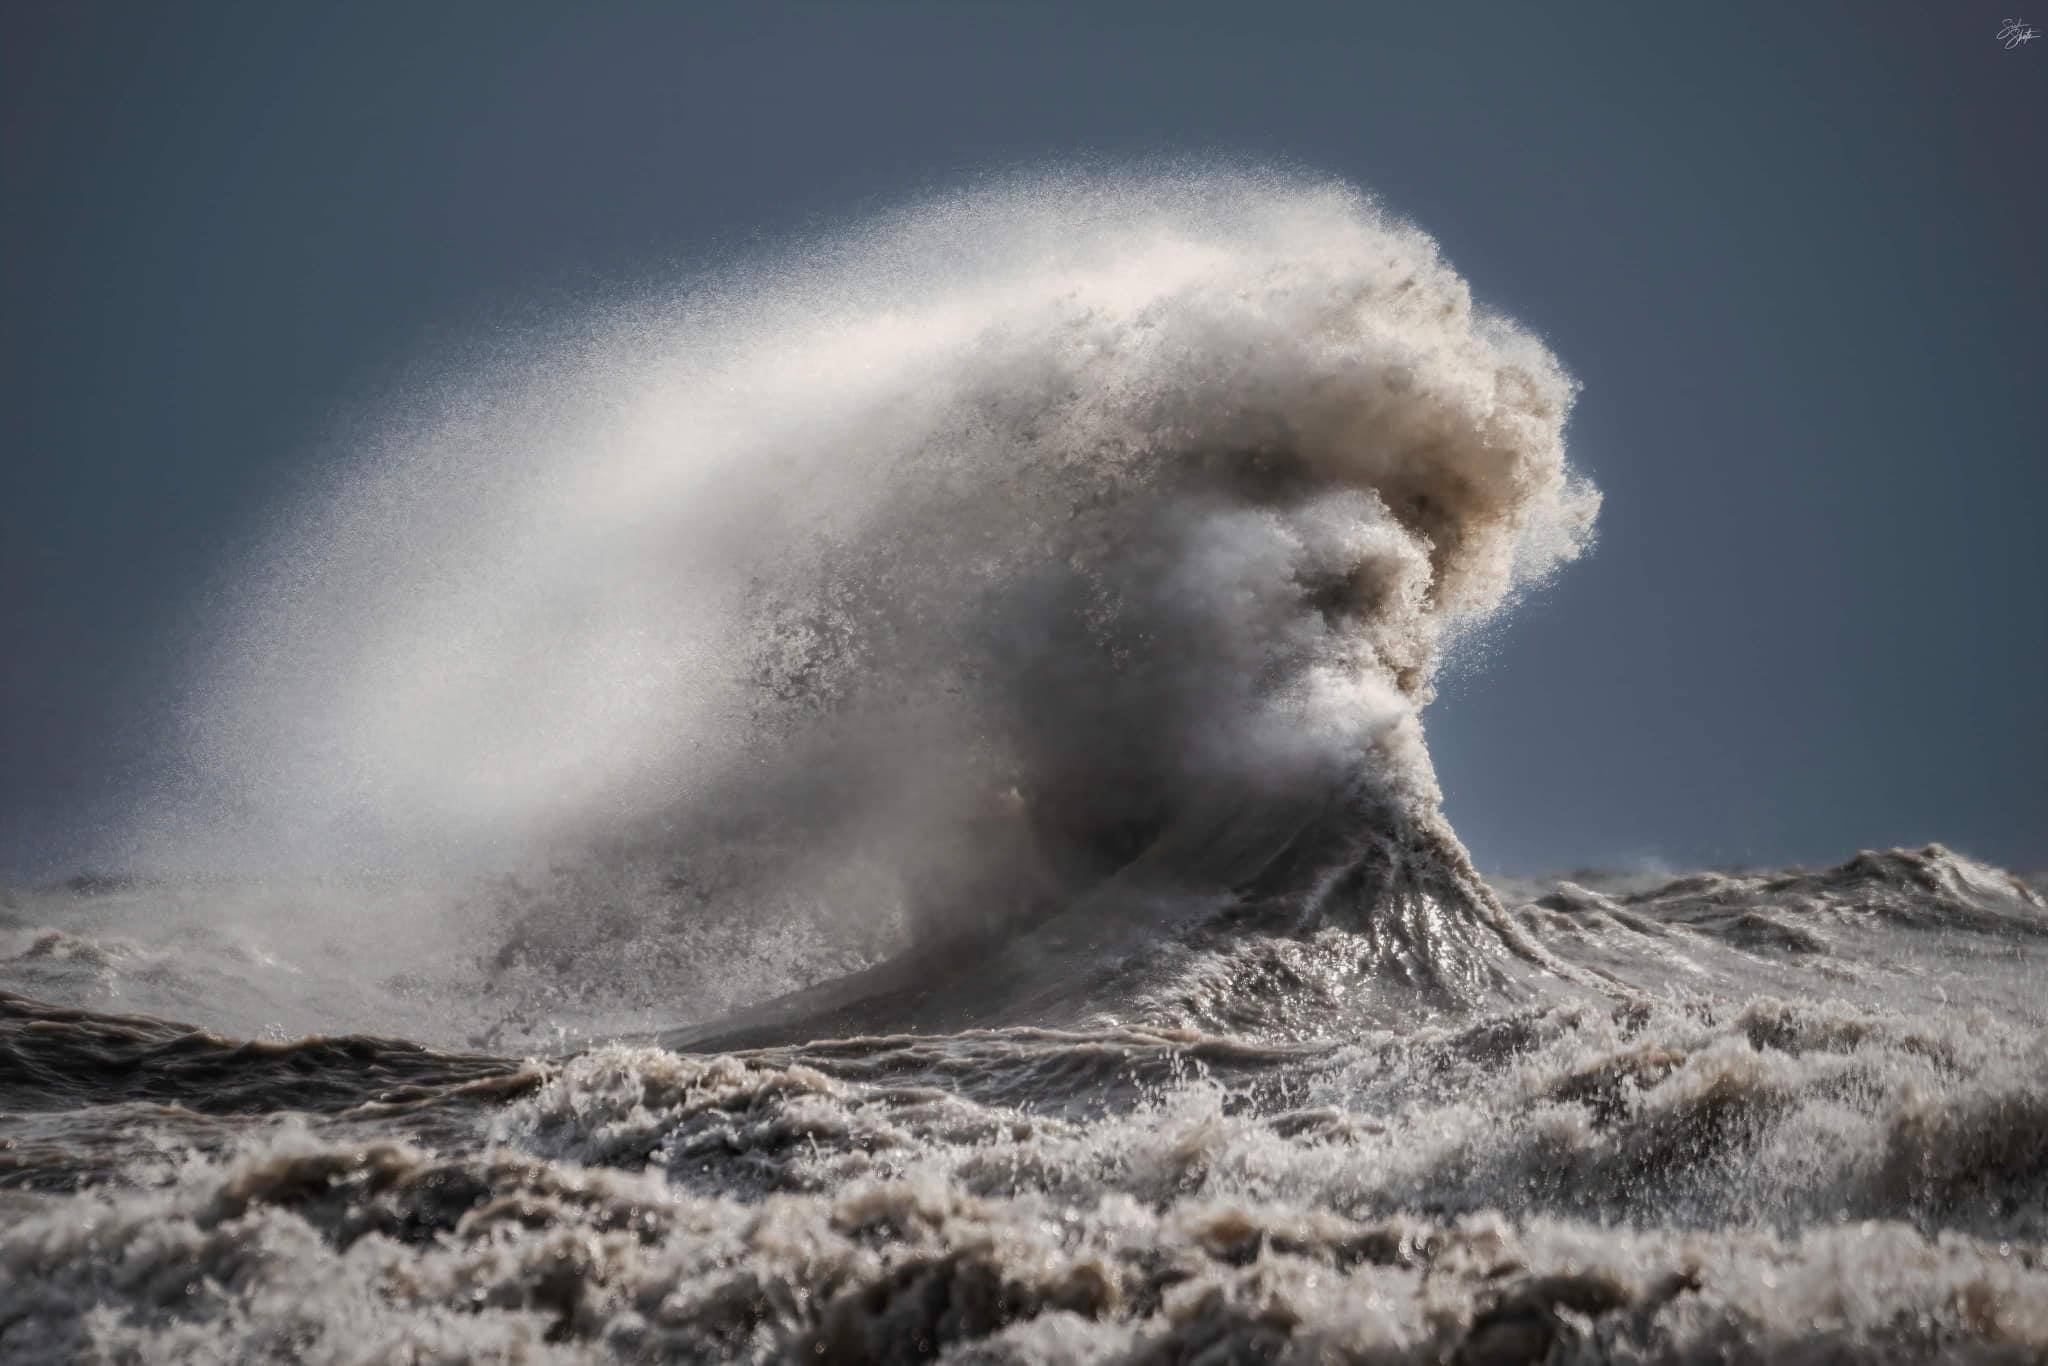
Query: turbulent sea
x=1813, y=1127
x=875, y=807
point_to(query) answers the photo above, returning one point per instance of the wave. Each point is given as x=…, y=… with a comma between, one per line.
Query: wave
x=1081, y=549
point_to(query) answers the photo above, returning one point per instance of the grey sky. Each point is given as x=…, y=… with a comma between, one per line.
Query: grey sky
x=1795, y=253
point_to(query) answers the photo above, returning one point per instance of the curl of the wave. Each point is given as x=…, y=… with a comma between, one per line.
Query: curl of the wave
x=1080, y=550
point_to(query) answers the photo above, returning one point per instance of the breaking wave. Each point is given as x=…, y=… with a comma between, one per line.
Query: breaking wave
x=1079, y=551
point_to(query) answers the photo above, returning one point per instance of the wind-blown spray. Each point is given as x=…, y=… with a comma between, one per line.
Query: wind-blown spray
x=1087, y=541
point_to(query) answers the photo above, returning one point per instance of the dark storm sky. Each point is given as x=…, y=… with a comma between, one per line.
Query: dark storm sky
x=1795, y=252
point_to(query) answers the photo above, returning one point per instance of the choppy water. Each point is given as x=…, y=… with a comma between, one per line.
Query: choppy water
x=1813, y=1126
x=877, y=810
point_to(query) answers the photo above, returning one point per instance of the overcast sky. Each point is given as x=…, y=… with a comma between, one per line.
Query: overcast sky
x=1795, y=252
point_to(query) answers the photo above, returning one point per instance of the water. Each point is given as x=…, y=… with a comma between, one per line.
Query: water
x=876, y=808
x=1813, y=1126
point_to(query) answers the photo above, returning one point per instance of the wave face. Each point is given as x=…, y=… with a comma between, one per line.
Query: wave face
x=1083, y=545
